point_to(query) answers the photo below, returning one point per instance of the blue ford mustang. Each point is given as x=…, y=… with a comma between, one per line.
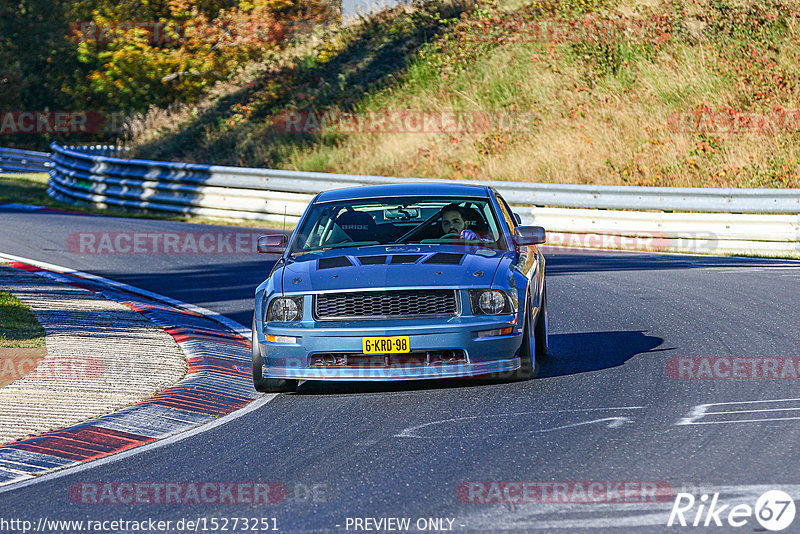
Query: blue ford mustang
x=401, y=282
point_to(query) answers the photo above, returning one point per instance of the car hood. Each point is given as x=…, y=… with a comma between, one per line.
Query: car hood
x=403, y=266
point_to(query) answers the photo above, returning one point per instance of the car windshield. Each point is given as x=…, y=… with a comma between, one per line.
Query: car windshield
x=403, y=220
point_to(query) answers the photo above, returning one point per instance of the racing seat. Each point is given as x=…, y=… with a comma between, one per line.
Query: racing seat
x=475, y=221
x=358, y=226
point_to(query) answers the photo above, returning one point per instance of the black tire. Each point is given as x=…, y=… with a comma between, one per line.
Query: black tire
x=527, y=353
x=542, y=341
x=267, y=385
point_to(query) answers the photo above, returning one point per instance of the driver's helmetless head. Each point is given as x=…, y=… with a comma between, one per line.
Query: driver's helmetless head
x=453, y=222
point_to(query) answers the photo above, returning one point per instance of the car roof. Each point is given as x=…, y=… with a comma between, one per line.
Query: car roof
x=406, y=189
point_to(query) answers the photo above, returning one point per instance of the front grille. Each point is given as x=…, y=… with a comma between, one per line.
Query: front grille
x=386, y=304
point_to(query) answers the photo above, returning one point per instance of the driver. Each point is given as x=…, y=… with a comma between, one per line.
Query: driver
x=454, y=222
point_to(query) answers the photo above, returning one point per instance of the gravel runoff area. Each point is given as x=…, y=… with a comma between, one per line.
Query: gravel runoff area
x=101, y=356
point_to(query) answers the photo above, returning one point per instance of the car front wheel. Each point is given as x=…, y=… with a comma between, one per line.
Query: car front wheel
x=542, y=342
x=527, y=353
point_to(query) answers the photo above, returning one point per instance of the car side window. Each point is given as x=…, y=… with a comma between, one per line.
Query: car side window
x=507, y=213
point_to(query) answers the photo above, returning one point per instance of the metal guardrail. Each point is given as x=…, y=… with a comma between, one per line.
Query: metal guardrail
x=538, y=194
x=753, y=221
x=14, y=160
x=705, y=233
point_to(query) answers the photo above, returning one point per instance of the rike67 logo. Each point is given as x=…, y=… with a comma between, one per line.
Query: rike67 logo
x=774, y=511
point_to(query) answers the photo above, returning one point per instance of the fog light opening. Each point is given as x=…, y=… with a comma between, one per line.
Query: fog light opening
x=444, y=357
x=328, y=360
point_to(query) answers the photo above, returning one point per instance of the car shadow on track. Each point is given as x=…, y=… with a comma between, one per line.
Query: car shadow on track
x=585, y=352
x=581, y=352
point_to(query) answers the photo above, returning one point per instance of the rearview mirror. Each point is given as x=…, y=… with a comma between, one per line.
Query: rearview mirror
x=529, y=235
x=272, y=244
x=401, y=213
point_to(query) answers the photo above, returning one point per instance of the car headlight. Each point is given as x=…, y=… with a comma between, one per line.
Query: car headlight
x=285, y=309
x=490, y=302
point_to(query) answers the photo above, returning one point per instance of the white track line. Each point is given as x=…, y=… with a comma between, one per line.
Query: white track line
x=230, y=323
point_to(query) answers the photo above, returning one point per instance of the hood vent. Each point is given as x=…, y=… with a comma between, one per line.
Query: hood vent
x=405, y=258
x=331, y=263
x=445, y=258
x=372, y=260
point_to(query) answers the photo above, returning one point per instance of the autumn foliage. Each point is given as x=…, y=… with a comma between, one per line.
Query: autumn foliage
x=175, y=48
x=118, y=58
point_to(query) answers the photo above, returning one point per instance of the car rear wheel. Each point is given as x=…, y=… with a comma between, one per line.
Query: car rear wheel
x=267, y=385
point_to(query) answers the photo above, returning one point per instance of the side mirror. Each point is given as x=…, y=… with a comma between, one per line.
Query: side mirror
x=529, y=235
x=272, y=244
x=517, y=218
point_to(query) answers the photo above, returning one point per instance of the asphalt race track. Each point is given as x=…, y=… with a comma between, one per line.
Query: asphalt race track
x=609, y=406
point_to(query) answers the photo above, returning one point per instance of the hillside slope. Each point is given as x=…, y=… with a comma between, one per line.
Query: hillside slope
x=639, y=92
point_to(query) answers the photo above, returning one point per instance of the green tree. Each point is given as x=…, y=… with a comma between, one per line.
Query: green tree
x=37, y=60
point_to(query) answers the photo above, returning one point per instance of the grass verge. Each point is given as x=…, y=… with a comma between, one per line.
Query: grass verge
x=18, y=326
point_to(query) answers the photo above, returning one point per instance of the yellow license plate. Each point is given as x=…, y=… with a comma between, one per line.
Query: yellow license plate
x=386, y=345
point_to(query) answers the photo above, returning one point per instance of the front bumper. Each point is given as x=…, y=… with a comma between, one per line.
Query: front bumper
x=484, y=355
